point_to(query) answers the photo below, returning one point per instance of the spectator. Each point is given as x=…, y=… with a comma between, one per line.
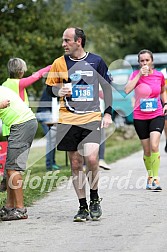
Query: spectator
x=102, y=162
x=23, y=125
x=16, y=69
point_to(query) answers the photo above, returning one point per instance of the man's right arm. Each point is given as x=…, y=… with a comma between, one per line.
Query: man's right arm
x=58, y=91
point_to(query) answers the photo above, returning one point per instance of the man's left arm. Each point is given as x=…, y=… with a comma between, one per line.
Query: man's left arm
x=107, y=118
x=105, y=80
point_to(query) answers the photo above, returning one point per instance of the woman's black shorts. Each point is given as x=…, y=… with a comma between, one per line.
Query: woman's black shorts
x=144, y=127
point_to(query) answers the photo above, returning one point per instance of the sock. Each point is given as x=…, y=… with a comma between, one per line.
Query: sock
x=94, y=194
x=155, y=160
x=147, y=162
x=83, y=203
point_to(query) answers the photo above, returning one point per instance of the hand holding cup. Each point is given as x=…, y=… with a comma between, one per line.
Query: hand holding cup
x=66, y=90
x=68, y=87
x=145, y=70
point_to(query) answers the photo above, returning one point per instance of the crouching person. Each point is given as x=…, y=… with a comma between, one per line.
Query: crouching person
x=23, y=125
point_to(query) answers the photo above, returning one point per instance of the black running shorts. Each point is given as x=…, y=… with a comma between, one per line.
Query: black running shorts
x=72, y=137
x=144, y=127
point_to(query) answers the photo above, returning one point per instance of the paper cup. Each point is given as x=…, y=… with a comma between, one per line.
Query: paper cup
x=68, y=85
x=147, y=67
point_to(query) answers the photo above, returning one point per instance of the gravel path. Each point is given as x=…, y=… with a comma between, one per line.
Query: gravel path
x=133, y=219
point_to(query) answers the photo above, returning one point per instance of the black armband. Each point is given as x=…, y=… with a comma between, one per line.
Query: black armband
x=108, y=110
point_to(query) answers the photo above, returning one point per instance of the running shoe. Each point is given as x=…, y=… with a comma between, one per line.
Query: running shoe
x=15, y=214
x=156, y=186
x=149, y=184
x=102, y=164
x=95, y=209
x=4, y=211
x=82, y=215
x=55, y=167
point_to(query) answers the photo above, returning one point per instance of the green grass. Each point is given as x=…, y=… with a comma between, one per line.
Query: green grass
x=121, y=149
x=37, y=185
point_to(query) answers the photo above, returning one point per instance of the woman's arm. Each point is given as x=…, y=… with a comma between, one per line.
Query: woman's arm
x=164, y=99
x=163, y=95
x=25, y=82
x=144, y=70
x=132, y=83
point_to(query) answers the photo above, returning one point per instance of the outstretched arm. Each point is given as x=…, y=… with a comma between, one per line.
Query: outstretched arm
x=25, y=82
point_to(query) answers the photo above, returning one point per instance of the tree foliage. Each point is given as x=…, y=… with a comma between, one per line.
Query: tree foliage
x=134, y=25
x=31, y=30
